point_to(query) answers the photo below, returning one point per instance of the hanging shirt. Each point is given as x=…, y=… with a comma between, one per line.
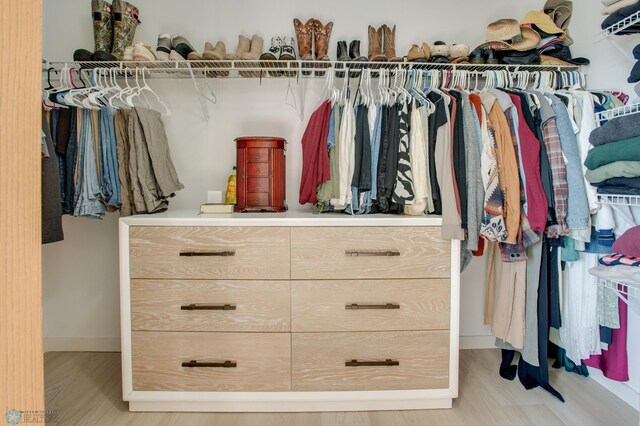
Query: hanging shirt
x=315, y=156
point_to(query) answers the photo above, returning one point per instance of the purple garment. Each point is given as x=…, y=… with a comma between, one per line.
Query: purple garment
x=628, y=243
x=613, y=362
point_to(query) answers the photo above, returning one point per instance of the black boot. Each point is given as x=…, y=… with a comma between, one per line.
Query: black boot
x=343, y=55
x=354, y=52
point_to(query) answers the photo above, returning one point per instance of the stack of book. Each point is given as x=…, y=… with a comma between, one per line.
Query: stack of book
x=213, y=208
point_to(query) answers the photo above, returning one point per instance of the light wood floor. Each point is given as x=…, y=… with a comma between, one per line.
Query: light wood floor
x=85, y=388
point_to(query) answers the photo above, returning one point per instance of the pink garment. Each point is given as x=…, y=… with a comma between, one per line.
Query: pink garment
x=629, y=243
x=530, y=148
x=613, y=362
x=315, y=154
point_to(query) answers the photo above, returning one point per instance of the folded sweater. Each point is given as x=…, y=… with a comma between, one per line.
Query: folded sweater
x=626, y=150
x=612, y=170
x=616, y=129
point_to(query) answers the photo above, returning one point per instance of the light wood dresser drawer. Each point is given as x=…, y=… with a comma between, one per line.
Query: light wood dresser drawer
x=371, y=252
x=370, y=361
x=198, y=305
x=219, y=361
x=371, y=305
x=209, y=252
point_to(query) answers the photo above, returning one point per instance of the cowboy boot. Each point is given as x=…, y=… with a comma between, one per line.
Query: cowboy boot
x=375, y=45
x=102, y=25
x=390, y=44
x=321, y=35
x=304, y=34
x=343, y=56
x=125, y=21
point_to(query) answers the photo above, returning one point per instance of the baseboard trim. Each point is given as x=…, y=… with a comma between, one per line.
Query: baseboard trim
x=477, y=342
x=619, y=389
x=80, y=344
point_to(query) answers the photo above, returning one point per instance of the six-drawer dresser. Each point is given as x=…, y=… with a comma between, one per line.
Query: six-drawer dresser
x=288, y=312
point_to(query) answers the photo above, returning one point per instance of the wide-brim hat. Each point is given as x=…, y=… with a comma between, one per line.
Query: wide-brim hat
x=560, y=12
x=543, y=22
x=508, y=34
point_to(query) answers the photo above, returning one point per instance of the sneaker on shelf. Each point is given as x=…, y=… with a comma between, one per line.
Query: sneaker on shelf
x=143, y=52
x=127, y=55
x=181, y=45
x=164, y=47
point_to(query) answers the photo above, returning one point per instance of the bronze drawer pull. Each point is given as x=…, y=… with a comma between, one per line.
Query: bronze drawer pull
x=374, y=253
x=355, y=306
x=258, y=156
x=385, y=363
x=221, y=253
x=194, y=307
x=226, y=364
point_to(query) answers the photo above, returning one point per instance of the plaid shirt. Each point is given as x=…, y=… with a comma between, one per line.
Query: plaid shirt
x=558, y=177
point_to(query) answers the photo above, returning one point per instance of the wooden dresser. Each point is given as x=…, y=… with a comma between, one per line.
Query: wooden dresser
x=288, y=312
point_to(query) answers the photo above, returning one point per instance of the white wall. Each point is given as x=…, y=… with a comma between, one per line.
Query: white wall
x=80, y=274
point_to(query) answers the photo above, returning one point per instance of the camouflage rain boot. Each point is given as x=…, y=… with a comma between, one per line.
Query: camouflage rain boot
x=125, y=21
x=102, y=25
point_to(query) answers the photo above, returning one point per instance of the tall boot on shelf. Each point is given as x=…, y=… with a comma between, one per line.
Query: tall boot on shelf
x=304, y=34
x=342, y=56
x=390, y=44
x=102, y=13
x=375, y=45
x=322, y=35
x=354, y=56
x=125, y=22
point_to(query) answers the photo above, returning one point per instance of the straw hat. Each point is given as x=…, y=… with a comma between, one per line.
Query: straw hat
x=543, y=22
x=508, y=34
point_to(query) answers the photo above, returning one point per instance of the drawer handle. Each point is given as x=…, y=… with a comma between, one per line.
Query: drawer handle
x=222, y=253
x=258, y=156
x=355, y=306
x=225, y=364
x=194, y=307
x=385, y=363
x=374, y=253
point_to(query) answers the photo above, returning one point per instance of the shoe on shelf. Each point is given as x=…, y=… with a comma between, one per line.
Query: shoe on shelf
x=477, y=56
x=342, y=51
x=164, y=47
x=197, y=56
x=125, y=21
x=127, y=55
x=271, y=55
x=216, y=53
x=181, y=45
x=288, y=51
x=244, y=45
x=255, y=50
x=354, y=52
x=102, y=13
x=490, y=57
x=304, y=34
x=389, y=44
x=104, y=56
x=321, y=37
x=143, y=52
x=375, y=45
x=175, y=56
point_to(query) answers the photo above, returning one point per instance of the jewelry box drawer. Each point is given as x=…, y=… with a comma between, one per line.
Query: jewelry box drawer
x=258, y=155
x=171, y=361
x=371, y=305
x=258, y=170
x=197, y=305
x=209, y=252
x=369, y=252
x=370, y=361
x=258, y=199
x=258, y=184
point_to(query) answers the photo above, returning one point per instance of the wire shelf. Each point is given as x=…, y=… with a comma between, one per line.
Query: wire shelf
x=618, y=112
x=618, y=27
x=631, y=290
x=619, y=200
x=265, y=68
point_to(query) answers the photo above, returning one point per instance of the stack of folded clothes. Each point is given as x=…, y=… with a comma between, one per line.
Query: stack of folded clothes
x=614, y=162
x=624, y=264
x=619, y=10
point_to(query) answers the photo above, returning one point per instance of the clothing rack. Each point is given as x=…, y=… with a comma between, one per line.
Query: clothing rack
x=618, y=112
x=619, y=200
x=632, y=291
x=271, y=69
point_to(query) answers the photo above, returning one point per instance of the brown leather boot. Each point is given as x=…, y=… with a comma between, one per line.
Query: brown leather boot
x=375, y=45
x=304, y=34
x=390, y=44
x=322, y=34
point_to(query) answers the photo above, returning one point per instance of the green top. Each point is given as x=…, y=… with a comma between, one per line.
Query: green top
x=625, y=150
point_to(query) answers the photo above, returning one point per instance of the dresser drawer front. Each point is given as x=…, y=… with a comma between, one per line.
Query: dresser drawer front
x=209, y=252
x=196, y=305
x=258, y=184
x=369, y=252
x=257, y=361
x=258, y=199
x=319, y=361
x=258, y=169
x=371, y=305
x=257, y=155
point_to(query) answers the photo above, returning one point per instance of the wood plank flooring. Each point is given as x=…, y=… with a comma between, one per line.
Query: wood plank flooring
x=85, y=389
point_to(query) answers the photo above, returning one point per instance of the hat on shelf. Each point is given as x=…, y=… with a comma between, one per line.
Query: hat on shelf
x=440, y=52
x=459, y=51
x=508, y=34
x=542, y=24
x=560, y=12
x=562, y=56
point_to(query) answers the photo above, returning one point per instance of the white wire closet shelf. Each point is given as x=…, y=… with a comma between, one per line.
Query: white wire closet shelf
x=265, y=69
x=618, y=27
x=632, y=290
x=619, y=200
x=618, y=112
